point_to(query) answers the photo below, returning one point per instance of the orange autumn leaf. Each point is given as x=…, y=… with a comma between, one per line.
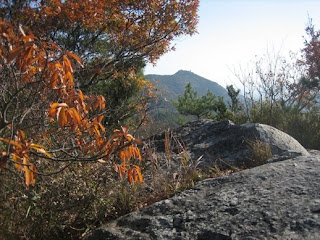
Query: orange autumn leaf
x=17, y=161
x=41, y=149
x=52, y=112
x=62, y=105
x=121, y=170
x=11, y=142
x=130, y=176
x=129, y=137
x=138, y=141
x=81, y=97
x=134, y=175
x=14, y=54
x=138, y=171
x=102, y=161
x=123, y=156
x=29, y=172
x=68, y=79
x=124, y=129
x=54, y=105
x=99, y=118
x=67, y=64
x=75, y=57
x=21, y=134
x=33, y=174
x=75, y=115
x=52, y=45
x=137, y=153
x=54, y=80
x=62, y=117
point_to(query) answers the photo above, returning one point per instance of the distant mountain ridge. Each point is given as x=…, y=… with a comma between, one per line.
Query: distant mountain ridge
x=171, y=86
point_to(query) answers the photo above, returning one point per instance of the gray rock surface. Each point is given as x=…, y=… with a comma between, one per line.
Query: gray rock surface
x=279, y=200
x=231, y=143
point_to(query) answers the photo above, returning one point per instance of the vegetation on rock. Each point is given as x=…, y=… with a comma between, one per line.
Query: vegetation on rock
x=72, y=85
x=284, y=93
x=71, y=73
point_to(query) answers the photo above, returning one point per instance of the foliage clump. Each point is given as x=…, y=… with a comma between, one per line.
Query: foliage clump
x=206, y=106
x=70, y=80
x=260, y=153
x=284, y=93
x=56, y=56
x=86, y=195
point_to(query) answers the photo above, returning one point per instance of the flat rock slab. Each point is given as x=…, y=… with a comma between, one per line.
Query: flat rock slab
x=224, y=140
x=279, y=200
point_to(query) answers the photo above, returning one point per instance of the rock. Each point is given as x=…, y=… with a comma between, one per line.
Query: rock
x=279, y=200
x=214, y=141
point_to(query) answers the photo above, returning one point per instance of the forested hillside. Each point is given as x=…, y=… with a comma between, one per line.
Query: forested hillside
x=171, y=86
x=168, y=87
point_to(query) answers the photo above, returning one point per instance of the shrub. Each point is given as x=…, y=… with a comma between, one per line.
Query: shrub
x=260, y=153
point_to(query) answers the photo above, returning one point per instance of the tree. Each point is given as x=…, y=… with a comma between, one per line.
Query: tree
x=206, y=106
x=128, y=100
x=114, y=38
x=284, y=92
x=311, y=54
x=52, y=55
x=222, y=111
x=275, y=84
x=42, y=74
x=233, y=94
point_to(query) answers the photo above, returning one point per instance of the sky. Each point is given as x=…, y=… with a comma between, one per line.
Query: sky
x=232, y=32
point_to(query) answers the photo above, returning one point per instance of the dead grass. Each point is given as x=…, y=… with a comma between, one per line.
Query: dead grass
x=85, y=196
x=260, y=153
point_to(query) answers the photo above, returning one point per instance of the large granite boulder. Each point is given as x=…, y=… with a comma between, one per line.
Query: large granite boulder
x=213, y=141
x=279, y=200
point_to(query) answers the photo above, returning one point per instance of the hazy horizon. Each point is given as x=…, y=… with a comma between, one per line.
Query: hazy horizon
x=231, y=33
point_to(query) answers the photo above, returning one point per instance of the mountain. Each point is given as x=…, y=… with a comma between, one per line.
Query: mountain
x=171, y=86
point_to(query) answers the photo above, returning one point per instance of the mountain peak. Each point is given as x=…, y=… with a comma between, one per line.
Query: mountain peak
x=174, y=85
x=183, y=72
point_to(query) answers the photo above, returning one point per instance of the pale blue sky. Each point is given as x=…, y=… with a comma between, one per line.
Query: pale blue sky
x=232, y=32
